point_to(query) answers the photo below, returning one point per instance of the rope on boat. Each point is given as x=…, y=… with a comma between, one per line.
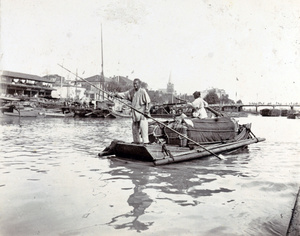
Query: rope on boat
x=250, y=131
x=166, y=151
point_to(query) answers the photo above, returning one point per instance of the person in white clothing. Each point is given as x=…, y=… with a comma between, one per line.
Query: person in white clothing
x=140, y=101
x=198, y=105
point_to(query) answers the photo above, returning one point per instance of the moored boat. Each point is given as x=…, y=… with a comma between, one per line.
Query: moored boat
x=56, y=113
x=294, y=115
x=16, y=107
x=270, y=112
x=195, y=138
x=103, y=109
x=22, y=113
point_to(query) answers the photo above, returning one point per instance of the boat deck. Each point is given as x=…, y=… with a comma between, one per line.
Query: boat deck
x=161, y=154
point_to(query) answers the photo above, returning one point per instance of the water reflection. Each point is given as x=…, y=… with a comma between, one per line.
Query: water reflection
x=185, y=184
x=139, y=200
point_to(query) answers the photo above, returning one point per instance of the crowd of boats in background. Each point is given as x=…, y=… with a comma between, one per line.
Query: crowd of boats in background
x=35, y=106
x=290, y=114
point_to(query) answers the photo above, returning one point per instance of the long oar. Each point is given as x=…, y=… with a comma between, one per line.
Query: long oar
x=175, y=131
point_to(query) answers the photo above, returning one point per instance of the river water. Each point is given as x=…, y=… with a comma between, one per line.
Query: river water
x=53, y=183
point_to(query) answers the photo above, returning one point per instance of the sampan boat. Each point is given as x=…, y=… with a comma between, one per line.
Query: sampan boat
x=14, y=107
x=194, y=138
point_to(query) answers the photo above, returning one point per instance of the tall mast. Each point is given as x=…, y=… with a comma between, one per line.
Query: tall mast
x=170, y=86
x=76, y=83
x=102, y=73
x=60, y=96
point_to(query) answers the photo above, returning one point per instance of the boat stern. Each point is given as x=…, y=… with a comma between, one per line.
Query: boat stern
x=127, y=150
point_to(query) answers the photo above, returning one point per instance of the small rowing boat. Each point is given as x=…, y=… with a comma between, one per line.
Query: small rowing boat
x=59, y=113
x=14, y=107
x=172, y=142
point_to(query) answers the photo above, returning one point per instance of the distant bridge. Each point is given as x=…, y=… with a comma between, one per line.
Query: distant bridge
x=238, y=107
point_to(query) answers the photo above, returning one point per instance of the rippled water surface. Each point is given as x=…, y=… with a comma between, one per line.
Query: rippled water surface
x=53, y=183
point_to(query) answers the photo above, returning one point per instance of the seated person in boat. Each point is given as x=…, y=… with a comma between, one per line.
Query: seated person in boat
x=140, y=101
x=198, y=105
x=172, y=111
x=180, y=116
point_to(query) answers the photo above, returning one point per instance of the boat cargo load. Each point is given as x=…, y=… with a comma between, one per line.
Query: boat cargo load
x=174, y=138
x=220, y=129
x=204, y=131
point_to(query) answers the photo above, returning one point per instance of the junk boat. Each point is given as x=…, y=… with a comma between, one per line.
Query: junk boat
x=172, y=142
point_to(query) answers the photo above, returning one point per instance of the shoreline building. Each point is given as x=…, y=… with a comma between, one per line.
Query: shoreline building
x=90, y=91
x=16, y=84
x=66, y=89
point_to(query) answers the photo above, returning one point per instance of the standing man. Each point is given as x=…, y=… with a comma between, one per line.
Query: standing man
x=199, y=106
x=140, y=101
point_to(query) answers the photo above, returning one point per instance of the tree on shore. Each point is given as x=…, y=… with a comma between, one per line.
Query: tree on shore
x=158, y=97
x=121, y=86
x=224, y=99
x=114, y=86
x=212, y=97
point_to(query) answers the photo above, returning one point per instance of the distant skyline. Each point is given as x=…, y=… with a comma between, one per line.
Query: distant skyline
x=248, y=48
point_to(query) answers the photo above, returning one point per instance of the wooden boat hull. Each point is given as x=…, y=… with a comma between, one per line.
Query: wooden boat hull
x=198, y=153
x=58, y=112
x=161, y=154
x=16, y=108
x=58, y=115
x=22, y=113
x=95, y=113
x=293, y=116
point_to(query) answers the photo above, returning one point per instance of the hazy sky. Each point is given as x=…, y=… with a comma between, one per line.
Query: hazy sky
x=247, y=47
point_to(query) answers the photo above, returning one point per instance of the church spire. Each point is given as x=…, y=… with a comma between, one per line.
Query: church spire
x=170, y=78
x=170, y=85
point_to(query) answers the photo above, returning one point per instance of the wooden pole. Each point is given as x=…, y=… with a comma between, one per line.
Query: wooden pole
x=102, y=65
x=199, y=153
x=175, y=131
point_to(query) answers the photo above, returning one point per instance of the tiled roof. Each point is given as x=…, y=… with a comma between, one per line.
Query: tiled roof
x=24, y=76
